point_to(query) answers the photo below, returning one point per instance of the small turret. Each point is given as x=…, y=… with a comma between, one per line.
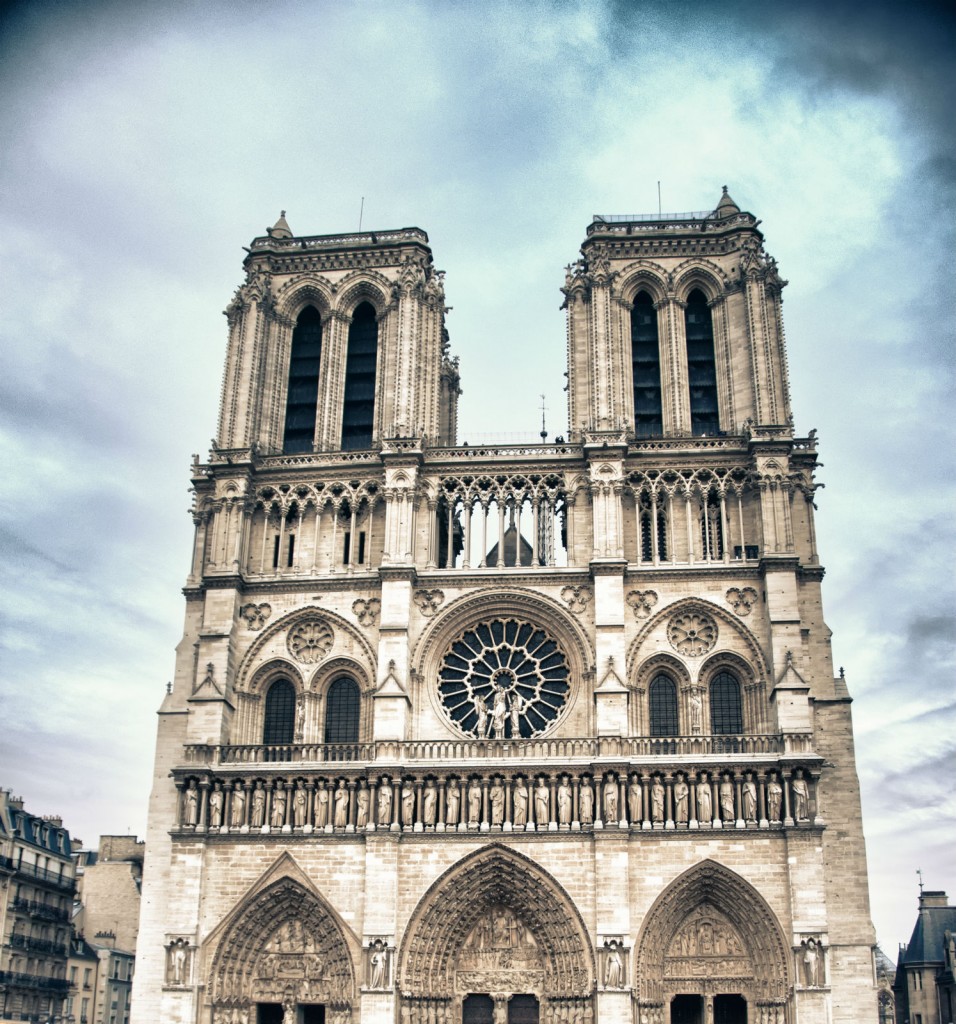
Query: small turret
x=281, y=228
x=726, y=207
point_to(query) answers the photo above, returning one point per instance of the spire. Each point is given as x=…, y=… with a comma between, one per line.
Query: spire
x=726, y=206
x=280, y=229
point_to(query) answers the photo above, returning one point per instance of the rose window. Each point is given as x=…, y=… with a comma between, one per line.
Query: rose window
x=309, y=641
x=692, y=634
x=503, y=679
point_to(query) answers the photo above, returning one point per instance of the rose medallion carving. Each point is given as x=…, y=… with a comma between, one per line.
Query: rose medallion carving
x=692, y=633
x=310, y=641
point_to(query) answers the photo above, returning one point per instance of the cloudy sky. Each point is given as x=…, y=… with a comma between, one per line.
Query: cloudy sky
x=144, y=145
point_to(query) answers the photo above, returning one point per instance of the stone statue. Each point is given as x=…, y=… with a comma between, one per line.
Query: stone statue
x=385, y=802
x=515, y=711
x=300, y=806
x=705, y=802
x=377, y=967
x=587, y=802
x=499, y=713
x=750, y=797
x=362, y=798
x=542, y=803
x=696, y=703
x=430, y=803
x=278, y=807
x=564, y=802
x=613, y=966
x=610, y=799
x=178, y=956
x=811, y=963
x=452, y=802
x=258, y=806
x=191, y=812
x=801, y=796
x=474, y=802
x=520, y=804
x=237, y=807
x=481, y=710
x=288, y=1011
x=726, y=798
x=774, y=797
x=496, y=797
x=681, y=791
x=215, y=807
x=408, y=803
x=341, y=805
x=657, y=799
x=321, y=805
x=635, y=800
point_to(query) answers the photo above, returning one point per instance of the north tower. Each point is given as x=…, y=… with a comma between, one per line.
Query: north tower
x=506, y=733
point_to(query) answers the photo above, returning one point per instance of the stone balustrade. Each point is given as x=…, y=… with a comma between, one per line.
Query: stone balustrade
x=572, y=798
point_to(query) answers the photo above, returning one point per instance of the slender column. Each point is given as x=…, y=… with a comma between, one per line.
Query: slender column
x=241, y=527
x=740, y=520
x=738, y=783
x=315, y=540
x=705, y=516
x=501, y=534
x=265, y=536
x=450, y=546
x=785, y=495
x=811, y=528
x=622, y=799
x=569, y=502
x=762, y=800
x=335, y=537
x=690, y=531
x=353, y=537
x=466, y=523
x=724, y=532
x=204, y=801
x=432, y=561
x=672, y=531
x=516, y=509
x=638, y=523
x=646, y=802
x=370, y=520
x=483, y=561
x=199, y=542
x=692, y=800
x=535, y=527
x=485, y=812
x=278, y=560
x=350, y=821
x=668, y=800
x=655, y=547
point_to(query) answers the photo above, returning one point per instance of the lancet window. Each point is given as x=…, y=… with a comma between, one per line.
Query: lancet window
x=358, y=408
x=303, y=393
x=662, y=697
x=646, y=368
x=342, y=708
x=726, y=711
x=279, y=724
x=652, y=528
x=701, y=366
x=711, y=528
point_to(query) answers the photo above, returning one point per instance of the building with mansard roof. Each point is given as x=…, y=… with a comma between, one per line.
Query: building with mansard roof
x=925, y=982
x=492, y=734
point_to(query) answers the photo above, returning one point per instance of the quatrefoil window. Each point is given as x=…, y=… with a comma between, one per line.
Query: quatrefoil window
x=503, y=679
x=692, y=633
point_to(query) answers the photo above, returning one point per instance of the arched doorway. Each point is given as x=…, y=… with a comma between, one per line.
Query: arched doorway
x=282, y=956
x=711, y=950
x=496, y=939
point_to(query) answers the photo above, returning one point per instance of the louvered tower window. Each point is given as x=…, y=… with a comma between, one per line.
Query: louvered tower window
x=663, y=700
x=280, y=713
x=646, y=368
x=701, y=367
x=726, y=716
x=342, y=712
x=303, y=395
x=358, y=409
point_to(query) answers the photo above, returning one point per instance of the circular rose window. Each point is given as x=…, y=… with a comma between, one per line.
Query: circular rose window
x=503, y=679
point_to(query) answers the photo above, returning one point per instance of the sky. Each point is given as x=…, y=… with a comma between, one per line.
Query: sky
x=145, y=144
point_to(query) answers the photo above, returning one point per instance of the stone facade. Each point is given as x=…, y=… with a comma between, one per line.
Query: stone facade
x=506, y=733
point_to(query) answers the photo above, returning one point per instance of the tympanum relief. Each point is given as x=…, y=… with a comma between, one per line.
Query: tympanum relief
x=707, y=946
x=500, y=954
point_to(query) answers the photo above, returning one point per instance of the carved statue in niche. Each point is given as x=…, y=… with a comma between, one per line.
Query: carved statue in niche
x=811, y=956
x=657, y=799
x=564, y=801
x=300, y=805
x=726, y=798
x=191, y=800
x=215, y=806
x=430, y=803
x=178, y=962
x=705, y=803
x=377, y=964
x=696, y=703
x=258, y=805
x=520, y=802
x=385, y=801
x=681, y=792
x=635, y=800
x=542, y=803
x=362, y=798
x=321, y=805
x=341, y=809
x=750, y=797
x=452, y=802
x=587, y=802
x=774, y=797
x=613, y=964
x=237, y=806
x=801, y=797
x=278, y=806
x=474, y=802
x=610, y=798
x=496, y=798
x=408, y=803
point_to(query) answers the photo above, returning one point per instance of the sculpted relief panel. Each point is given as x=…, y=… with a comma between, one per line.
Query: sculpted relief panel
x=499, y=954
x=706, y=945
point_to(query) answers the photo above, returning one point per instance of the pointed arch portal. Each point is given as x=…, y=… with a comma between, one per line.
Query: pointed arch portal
x=495, y=928
x=284, y=948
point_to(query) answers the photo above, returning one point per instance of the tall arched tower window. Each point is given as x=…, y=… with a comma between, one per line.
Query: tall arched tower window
x=646, y=368
x=663, y=702
x=279, y=726
x=726, y=715
x=303, y=394
x=701, y=367
x=342, y=712
x=358, y=409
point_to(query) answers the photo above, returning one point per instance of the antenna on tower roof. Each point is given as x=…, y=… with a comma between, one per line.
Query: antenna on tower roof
x=919, y=871
x=544, y=432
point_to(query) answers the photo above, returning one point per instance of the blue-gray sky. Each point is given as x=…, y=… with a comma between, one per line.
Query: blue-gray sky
x=145, y=144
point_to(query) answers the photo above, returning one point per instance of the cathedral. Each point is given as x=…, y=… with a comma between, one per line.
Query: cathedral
x=506, y=734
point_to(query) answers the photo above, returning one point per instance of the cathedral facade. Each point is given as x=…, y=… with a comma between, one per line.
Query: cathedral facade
x=506, y=733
